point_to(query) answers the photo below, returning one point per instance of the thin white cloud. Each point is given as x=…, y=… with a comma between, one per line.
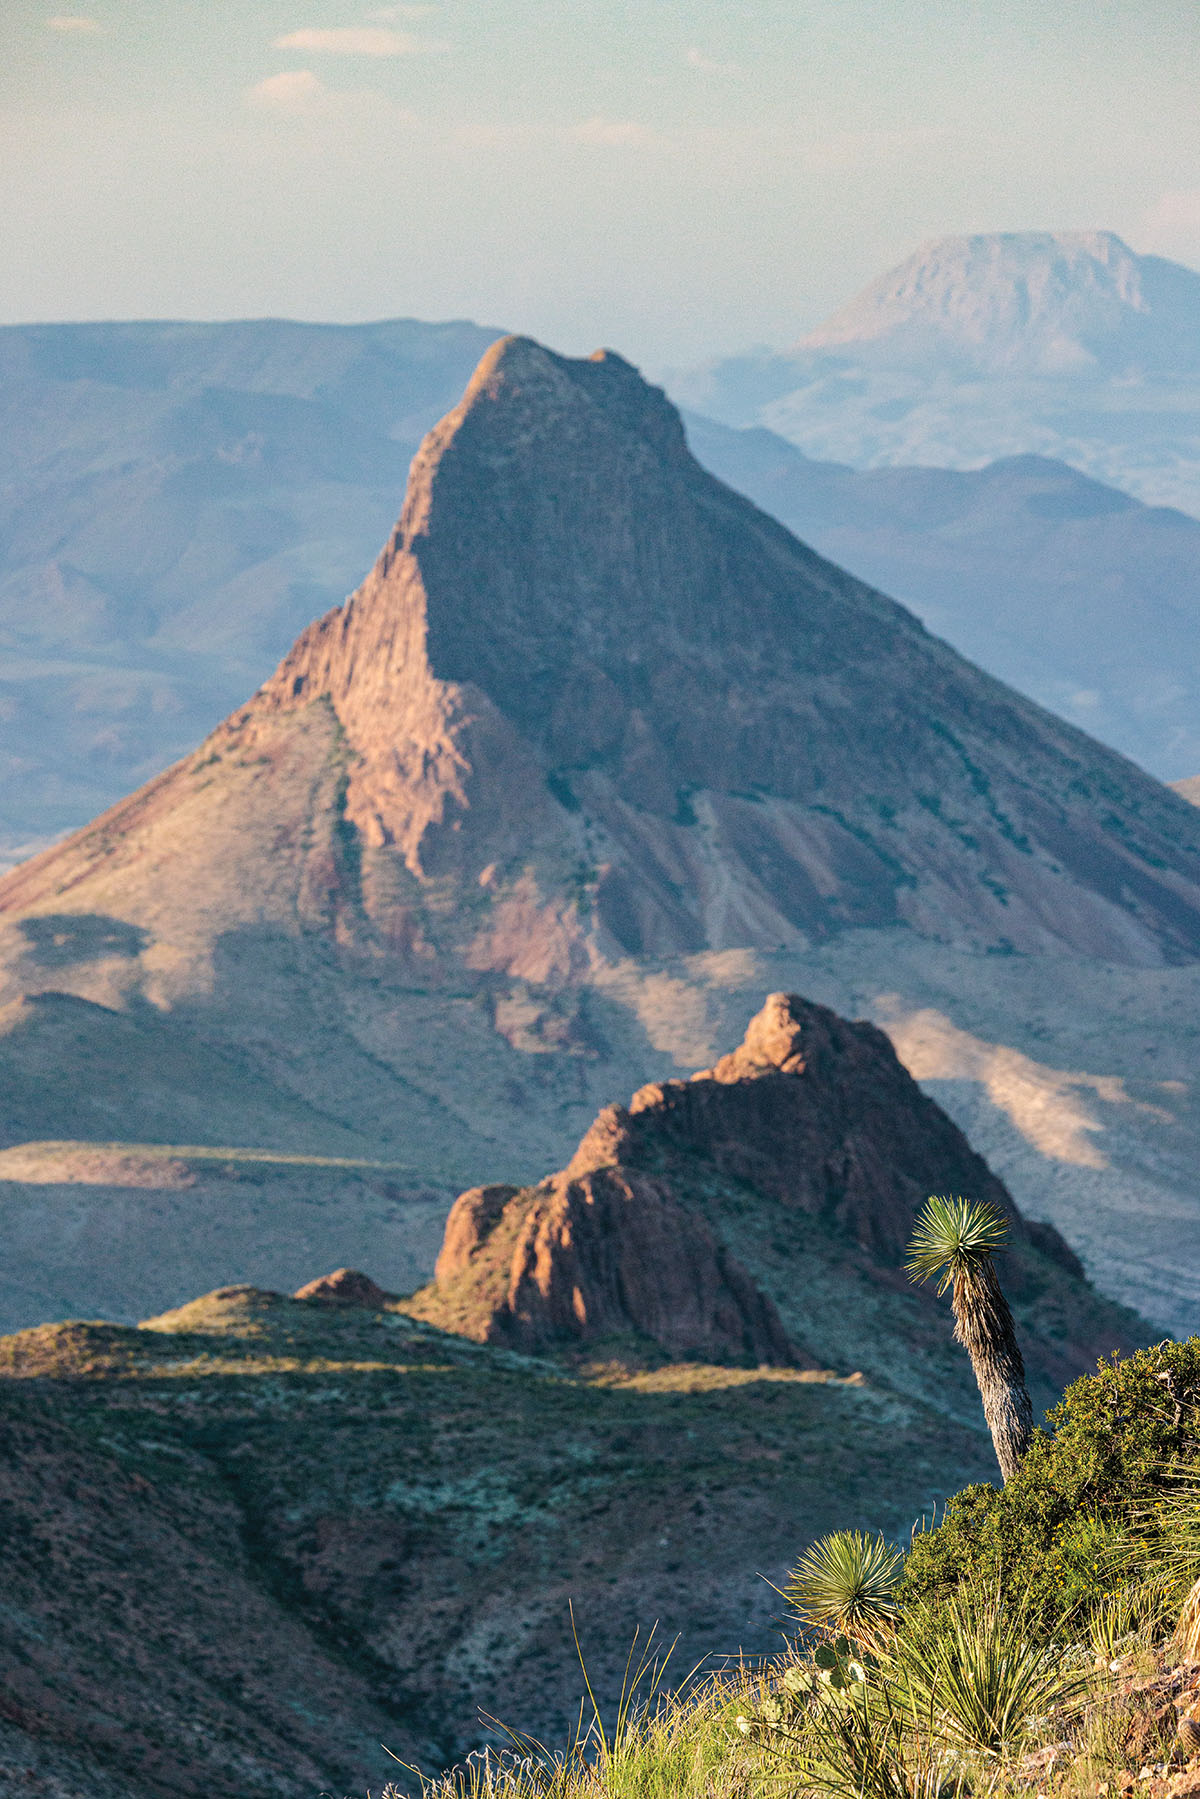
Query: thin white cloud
x=296, y=91
x=71, y=26
x=611, y=133
x=359, y=40
x=708, y=65
x=300, y=94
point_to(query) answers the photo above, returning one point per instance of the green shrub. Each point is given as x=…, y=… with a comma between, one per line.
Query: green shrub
x=1058, y=1538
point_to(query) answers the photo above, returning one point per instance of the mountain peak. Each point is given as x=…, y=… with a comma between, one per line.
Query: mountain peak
x=1061, y=304
x=519, y=380
x=590, y=703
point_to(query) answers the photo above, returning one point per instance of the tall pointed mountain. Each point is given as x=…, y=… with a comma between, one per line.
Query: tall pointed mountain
x=590, y=702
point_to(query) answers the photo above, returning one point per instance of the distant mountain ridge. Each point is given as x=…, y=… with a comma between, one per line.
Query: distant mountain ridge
x=1067, y=345
x=176, y=501
x=1037, y=303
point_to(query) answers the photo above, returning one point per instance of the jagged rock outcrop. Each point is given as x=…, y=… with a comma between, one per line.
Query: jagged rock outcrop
x=597, y=1253
x=810, y=1110
x=811, y=1115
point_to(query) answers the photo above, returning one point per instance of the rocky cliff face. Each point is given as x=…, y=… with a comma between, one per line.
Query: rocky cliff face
x=591, y=703
x=812, y=1130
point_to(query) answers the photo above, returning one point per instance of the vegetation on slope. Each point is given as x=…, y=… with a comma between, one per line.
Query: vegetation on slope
x=983, y=1672
x=247, y=1543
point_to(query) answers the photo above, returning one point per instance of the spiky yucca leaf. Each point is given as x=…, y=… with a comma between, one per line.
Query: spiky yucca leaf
x=846, y=1580
x=982, y=1674
x=952, y=1236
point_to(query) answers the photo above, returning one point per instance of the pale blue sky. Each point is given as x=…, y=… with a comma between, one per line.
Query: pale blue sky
x=674, y=178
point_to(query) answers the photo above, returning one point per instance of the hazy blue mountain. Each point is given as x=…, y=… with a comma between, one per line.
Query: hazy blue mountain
x=1058, y=344
x=1074, y=593
x=176, y=502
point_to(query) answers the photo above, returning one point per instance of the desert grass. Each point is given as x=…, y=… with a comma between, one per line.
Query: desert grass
x=963, y=1701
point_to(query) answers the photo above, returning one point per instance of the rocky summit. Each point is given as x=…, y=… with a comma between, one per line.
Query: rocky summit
x=1064, y=303
x=589, y=703
x=758, y=1214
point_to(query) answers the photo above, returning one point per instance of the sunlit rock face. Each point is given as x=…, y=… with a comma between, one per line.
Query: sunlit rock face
x=721, y=1216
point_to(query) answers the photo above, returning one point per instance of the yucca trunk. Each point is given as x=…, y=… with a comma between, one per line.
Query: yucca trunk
x=984, y=1326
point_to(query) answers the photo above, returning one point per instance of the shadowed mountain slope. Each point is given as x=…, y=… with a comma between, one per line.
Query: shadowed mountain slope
x=257, y=1538
x=1072, y=592
x=590, y=702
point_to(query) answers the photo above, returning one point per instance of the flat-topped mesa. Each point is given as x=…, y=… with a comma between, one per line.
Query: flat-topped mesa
x=810, y=1113
x=1033, y=303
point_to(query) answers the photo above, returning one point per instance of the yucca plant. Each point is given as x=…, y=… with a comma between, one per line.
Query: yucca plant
x=878, y=1745
x=847, y=1582
x=1170, y=1557
x=955, y=1239
x=986, y=1680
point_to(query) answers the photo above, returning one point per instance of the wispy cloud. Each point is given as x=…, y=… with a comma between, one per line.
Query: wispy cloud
x=359, y=40
x=611, y=133
x=296, y=90
x=71, y=26
x=708, y=65
x=301, y=95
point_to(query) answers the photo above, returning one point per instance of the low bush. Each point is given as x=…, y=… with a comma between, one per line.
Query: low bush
x=1059, y=1536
